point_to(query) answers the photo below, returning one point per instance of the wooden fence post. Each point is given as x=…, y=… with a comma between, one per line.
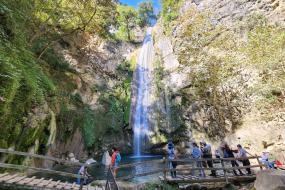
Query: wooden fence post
x=165, y=168
x=259, y=163
x=225, y=171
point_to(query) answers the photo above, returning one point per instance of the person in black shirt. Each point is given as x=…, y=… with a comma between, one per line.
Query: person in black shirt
x=228, y=153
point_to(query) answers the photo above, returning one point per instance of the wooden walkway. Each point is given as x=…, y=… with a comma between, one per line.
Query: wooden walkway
x=19, y=180
x=185, y=173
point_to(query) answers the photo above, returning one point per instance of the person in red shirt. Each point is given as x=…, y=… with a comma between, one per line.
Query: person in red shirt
x=114, y=163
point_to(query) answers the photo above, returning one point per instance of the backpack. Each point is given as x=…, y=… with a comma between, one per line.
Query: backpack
x=118, y=158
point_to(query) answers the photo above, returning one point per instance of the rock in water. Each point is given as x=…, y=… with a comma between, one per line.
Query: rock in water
x=270, y=180
x=106, y=160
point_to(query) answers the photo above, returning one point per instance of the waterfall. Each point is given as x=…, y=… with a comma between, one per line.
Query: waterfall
x=142, y=85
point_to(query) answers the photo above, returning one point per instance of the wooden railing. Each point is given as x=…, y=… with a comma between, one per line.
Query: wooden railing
x=111, y=183
x=30, y=155
x=189, y=162
x=48, y=171
x=217, y=160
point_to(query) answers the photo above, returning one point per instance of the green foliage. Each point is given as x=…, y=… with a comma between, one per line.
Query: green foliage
x=33, y=75
x=127, y=17
x=219, y=59
x=170, y=10
x=30, y=70
x=265, y=51
x=145, y=14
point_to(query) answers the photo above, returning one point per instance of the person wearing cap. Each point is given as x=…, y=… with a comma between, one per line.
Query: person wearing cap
x=171, y=156
x=197, y=154
x=242, y=153
x=207, y=153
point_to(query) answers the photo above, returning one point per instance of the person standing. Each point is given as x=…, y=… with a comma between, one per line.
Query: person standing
x=171, y=157
x=228, y=153
x=115, y=161
x=207, y=154
x=242, y=153
x=197, y=154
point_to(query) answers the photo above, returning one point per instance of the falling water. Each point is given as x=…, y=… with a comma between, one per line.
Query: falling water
x=142, y=95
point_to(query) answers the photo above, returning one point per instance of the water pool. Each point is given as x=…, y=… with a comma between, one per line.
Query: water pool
x=99, y=171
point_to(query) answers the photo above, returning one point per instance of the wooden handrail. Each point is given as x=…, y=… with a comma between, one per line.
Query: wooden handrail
x=187, y=169
x=184, y=161
x=212, y=159
x=111, y=183
x=6, y=151
x=21, y=167
x=165, y=168
x=140, y=163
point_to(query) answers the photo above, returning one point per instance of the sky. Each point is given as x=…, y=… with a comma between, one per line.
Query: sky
x=135, y=3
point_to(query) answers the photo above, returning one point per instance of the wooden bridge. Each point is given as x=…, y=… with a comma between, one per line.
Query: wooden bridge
x=18, y=176
x=187, y=170
x=186, y=173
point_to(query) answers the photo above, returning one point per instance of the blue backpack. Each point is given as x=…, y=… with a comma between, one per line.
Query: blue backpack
x=118, y=158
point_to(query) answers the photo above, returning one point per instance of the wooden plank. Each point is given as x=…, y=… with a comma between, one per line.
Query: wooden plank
x=66, y=185
x=27, y=180
x=165, y=167
x=73, y=186
x=60, y=185
x=44, y=183
x=53, y=184
x=225, y=172
x=35, y=182
x=6, y=178
x=16, y=179
x=204, y=180
x=4, y=174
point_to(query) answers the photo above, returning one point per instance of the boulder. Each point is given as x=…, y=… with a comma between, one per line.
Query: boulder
x=270, y=180
x=72, y=158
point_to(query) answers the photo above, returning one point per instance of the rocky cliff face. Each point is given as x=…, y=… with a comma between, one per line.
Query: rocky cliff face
x=103, y=78
x=220, y=61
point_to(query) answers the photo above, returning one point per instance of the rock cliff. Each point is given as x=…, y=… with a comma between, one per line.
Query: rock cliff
x=220, y=61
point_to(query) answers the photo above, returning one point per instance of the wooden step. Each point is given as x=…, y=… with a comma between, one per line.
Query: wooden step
x=35, y=182
x=44, y=183
x=26, y=180
x=16, y=179
x=8, y=177
x=4, y=174
x=53, y=184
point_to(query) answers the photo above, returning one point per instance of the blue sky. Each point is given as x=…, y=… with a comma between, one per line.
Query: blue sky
x=135, y=3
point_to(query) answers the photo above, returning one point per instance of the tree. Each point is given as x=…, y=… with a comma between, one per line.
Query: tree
x=146, y=13
x=127, y=17
x=57, y=19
